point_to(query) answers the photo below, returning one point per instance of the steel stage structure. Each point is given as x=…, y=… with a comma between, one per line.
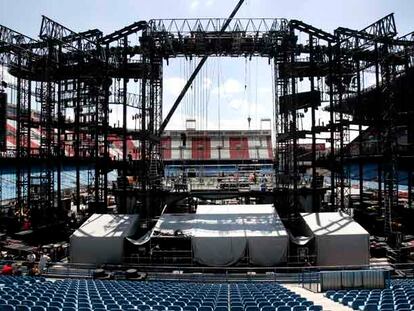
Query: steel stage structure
x=75, y=79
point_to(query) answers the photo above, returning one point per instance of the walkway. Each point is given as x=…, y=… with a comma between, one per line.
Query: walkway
x=317, y=298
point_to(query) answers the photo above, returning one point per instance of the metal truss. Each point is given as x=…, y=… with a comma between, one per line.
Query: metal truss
x=311, y=30
x=56, y=33
x=212, y=26
x=82, y=73
x=381, y=31
x=15, y=45
x=124, y=32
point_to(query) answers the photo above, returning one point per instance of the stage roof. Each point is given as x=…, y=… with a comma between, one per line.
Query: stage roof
x=107, y=226
x=335, y=223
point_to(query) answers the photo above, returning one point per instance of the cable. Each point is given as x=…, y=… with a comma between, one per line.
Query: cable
x=255, y=103
x=249, y=119
x=218, y=95
x=274, y=107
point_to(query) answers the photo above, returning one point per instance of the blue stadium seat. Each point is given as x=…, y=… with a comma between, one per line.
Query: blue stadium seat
x=356, y=303
x=85, y=295
x=329, y=293
x=28, y=303
x=180, y=303
x=369, y=307
x=44, y=304
x=13, y=302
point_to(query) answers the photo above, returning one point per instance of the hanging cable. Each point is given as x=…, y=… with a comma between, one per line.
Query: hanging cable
x=249, y=119
x=218, y=95
x=274, y=105
x=255, y=100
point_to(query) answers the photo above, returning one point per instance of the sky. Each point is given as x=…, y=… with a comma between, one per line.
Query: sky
x=228, y=90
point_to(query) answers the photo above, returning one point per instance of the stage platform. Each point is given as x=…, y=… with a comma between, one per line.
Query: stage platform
x=101, y=239
x=339, y=240
x=221, y=235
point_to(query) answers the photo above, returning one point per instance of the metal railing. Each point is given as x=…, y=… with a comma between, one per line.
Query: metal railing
x=309, y=276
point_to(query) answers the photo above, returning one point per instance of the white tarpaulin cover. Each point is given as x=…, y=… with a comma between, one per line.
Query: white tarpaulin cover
x=221, y=234
x=101, y=238
x=339, y=240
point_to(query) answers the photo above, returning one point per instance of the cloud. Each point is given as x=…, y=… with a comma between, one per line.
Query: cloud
x=239, y=104
x=194, y=4
x=233, y=124
x=174, y=85
x=235, y=103
x=207, y=83
x=230, y=87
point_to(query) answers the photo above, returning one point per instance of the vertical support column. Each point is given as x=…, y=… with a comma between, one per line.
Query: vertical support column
x=377, y=87
x=48, y=110
x=276, y=155
x=391, y=181
x=77, y=141
x=315, y=203
x=360, y=139
x=29, y=138
x=410, y=187
x=95, y=153
x=341, y=158
x=59, y=139
x=341, y=130
x=105, y=123
x=19, y=171
x=294, y=135
x=143, y=153
x=124, y=127
x=155, y=116
x=332, y=127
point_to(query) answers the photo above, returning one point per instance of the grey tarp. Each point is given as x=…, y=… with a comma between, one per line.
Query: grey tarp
x=101, y=238
x=222, y=234
x=339, y=240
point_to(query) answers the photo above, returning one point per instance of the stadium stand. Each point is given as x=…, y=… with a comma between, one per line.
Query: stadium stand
x=399, y=296
x=31, y=294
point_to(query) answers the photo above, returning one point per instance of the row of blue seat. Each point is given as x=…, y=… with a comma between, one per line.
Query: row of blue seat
x=40, y=308
x=399, y=297
x=10, y=279
x=75, y=295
